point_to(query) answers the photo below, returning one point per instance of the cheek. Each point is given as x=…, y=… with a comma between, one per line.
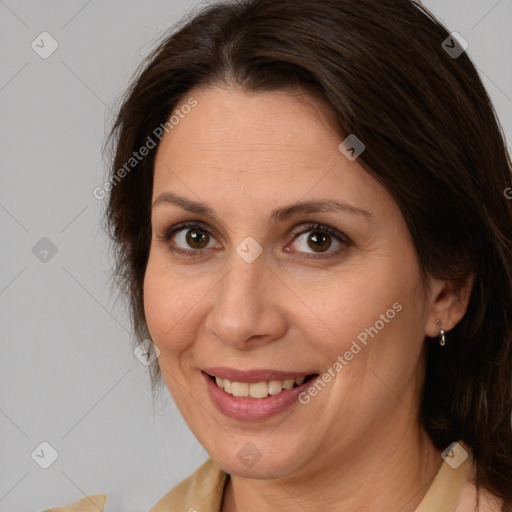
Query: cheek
x=168, y=307
x=169, y=316
x=356, y=320
x=375, y=308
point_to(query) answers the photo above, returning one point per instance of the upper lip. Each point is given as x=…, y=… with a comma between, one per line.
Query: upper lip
x=255, y=375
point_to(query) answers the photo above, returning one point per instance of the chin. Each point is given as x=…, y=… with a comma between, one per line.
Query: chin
x=248, y=458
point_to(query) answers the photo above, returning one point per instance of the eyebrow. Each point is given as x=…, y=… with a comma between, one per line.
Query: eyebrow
x=277, y=215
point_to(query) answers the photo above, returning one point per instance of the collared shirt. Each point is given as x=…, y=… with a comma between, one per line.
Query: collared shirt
x=204, y=489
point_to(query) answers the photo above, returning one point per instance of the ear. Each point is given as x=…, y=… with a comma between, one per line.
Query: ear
x=448, y=303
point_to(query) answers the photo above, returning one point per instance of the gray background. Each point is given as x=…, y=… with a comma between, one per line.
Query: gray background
x=68, y=375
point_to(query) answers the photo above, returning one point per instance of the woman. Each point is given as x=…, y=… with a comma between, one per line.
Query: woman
x=309, y=209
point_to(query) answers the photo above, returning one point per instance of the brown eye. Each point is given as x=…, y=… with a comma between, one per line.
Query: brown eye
x=197, y=238
x=318, y=240
x=315, y=240
x=188, y=238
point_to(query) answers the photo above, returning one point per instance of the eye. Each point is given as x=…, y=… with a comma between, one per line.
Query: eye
x=193, y=239
x=320, y=239
x=189, y=239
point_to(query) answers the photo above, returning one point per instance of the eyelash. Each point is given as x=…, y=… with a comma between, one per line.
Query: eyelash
x=340, y=237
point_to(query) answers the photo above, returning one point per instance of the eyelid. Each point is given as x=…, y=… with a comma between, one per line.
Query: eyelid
x=166, y=233
x=344, y=241
x=324, y=228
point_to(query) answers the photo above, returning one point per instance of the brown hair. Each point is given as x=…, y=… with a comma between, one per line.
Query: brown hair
x=432, y=139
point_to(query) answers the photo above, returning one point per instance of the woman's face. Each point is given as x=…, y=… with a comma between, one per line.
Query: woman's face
x=246, y=289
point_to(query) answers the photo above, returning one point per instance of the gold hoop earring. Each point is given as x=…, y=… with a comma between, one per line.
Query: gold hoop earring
x=442, y=335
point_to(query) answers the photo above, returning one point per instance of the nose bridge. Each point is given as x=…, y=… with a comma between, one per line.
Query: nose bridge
x=240, y=293
x=242, y=308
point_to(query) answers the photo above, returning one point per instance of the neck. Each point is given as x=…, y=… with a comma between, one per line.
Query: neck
x=374, y=475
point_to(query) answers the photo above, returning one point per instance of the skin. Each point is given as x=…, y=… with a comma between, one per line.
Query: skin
x=488, y=502
x=357, y=445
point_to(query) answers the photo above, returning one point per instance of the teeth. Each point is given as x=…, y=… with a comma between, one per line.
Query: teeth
x=240, y=389
x=274, y=387
x=257, y=389
x=288, y=384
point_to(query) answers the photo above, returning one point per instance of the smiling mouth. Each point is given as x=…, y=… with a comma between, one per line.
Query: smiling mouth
x=259, y=389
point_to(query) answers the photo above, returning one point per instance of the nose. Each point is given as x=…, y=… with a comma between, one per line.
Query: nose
x=247, y=312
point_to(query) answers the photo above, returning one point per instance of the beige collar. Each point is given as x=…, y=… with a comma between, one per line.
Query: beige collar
x=204, y=489
x=445, y=491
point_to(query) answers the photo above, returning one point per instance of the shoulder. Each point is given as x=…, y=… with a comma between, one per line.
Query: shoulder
x=203, y=490
x=487, y=502
x=94, y=503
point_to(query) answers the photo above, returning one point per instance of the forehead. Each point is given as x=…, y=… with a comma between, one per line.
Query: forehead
x=261, y=145
x=236, y=120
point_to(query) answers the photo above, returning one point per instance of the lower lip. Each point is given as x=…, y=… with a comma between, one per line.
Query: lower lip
x=252, y=409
